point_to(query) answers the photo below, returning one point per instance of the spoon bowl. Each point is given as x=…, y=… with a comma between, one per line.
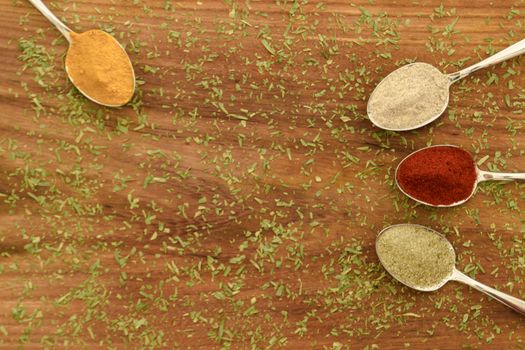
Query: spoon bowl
x=404, y=281
x=454, y=274
x=391, y=79
x=77, y=53
x=480, y=176
x=515, y=49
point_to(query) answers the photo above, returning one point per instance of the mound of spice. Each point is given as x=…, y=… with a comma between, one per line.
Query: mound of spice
x=100, y=68
x=416, y=256
x=439, y=175
x=409, y=97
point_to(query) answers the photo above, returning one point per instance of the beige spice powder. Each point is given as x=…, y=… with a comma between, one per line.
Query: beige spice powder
x=416, y=255
x=409, y=97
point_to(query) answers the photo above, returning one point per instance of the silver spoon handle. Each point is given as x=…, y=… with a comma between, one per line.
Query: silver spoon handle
x=52, y=18
x=491, y=176
x=508, y=300
x=513, y=50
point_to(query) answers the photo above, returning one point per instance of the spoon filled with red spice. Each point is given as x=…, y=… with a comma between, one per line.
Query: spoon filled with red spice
x=443, y=176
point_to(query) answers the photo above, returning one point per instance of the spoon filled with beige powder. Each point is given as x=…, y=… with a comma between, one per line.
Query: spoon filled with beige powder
x=418, y=93
x=423, y=259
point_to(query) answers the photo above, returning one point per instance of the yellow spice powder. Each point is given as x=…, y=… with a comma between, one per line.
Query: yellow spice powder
x=100, y=68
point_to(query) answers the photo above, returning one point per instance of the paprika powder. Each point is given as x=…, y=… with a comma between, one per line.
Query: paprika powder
x=438, y=175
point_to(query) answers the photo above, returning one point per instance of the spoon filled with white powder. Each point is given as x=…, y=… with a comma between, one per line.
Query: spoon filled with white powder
x=418, y=93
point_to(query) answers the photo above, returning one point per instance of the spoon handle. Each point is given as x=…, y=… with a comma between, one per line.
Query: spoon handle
x=52, y=18
x=514, y=303
x=513, y=50
x=491, y=176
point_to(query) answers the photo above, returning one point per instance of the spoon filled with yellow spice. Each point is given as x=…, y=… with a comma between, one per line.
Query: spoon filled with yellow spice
x=95, y=63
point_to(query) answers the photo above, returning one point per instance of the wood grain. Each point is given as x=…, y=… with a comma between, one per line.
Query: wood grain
x=253, y=233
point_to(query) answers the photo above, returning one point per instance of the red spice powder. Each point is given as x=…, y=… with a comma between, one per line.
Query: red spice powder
x=440, y=175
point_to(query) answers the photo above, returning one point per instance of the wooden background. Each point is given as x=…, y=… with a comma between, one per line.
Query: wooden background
x=235, y=202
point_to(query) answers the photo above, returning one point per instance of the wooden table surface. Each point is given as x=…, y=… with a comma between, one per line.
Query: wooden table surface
x=235, y=202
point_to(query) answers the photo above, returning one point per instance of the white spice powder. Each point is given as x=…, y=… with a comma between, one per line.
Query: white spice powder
x=409, y=97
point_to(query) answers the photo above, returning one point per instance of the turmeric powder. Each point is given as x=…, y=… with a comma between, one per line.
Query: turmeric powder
x=100, y=68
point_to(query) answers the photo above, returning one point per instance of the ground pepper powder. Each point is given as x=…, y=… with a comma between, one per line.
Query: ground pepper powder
x=440, y=175
x=100, y=68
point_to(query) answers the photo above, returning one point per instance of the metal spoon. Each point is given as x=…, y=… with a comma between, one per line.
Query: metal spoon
x=66, y=32
x=456, y=275
x=482, y=176
x=511, y=51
